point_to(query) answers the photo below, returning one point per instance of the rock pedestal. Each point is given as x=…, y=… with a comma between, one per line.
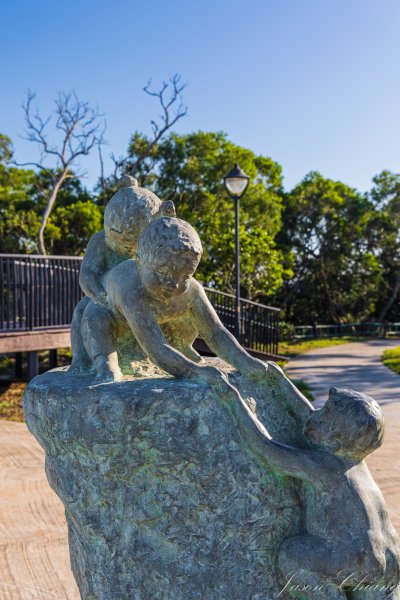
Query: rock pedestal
x=163, y=498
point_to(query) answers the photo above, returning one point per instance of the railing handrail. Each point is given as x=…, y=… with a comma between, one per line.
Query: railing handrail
x=274, y=308
x=41, y=291
x=361, y=328
x=344, y=325
x=44, y=256
x=208, y=289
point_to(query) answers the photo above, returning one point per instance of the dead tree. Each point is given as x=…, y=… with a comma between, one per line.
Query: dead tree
x=172, y=110
x=79, y=127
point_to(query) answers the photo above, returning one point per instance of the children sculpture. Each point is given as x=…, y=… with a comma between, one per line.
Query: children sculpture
x=151, y=306
x=157, y=309
x=349, y=548
x=125, y=216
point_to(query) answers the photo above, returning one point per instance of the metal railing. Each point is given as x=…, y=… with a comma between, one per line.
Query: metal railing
x=41, y=292
x=259, y=322
x=38, y=292
x=368, y=329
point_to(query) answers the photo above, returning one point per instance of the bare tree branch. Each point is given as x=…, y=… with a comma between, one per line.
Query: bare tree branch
x=170, y=98
x=100, y=143
x=34, y=164
x=80, y=128
x=167, y=119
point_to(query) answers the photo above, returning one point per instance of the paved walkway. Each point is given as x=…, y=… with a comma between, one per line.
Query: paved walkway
x=358, y=366
x=34, y=559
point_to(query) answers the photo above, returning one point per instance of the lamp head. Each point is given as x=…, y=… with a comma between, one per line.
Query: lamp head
x=236, y=182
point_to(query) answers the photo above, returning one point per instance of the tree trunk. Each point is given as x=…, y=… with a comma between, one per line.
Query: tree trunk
x=391, y=300
x=331, y=304
x=47, y=211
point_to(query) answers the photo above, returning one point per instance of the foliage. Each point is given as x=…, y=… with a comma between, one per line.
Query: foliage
x=337, y=274
x=323, y=252
x=19, y=220
x=391, y=359
x=23, y=196
x=383, y=237
x=292, y=349
x=6, y=149
x=189, y=170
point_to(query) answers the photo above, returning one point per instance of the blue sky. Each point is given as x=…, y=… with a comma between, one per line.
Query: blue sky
x=314, y=84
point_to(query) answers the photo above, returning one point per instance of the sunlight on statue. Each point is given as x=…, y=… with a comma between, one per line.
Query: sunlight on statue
x=125, y=216
x=157, y=309
x=348, y=547
x=163, y=455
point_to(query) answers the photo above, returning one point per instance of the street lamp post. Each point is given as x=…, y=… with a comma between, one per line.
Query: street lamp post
x=236, y=182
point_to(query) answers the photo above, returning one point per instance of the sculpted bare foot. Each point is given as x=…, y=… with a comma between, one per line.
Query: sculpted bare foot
x=107, y=372
x=80, y=366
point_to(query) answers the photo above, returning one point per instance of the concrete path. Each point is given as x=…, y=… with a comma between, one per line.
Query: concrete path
x=358, y=366
x=34, y=558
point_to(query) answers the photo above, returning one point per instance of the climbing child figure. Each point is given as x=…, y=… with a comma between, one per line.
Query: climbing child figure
x=349, y=548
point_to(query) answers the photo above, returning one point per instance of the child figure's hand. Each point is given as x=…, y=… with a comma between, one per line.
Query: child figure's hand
x=214, y=377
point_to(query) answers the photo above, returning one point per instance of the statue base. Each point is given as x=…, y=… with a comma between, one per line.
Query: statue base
x=163, y=498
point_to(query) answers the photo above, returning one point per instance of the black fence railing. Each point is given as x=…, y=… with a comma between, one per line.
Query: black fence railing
x=38, y=292
x=367, y=329
x=259, y=323
x=41, y=292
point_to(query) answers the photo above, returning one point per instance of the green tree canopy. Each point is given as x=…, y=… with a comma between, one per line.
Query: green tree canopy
x=323, y=251
x=18, y=219
x=189, y=170
x=337, y=274
x=383, y=237
x=23, y=195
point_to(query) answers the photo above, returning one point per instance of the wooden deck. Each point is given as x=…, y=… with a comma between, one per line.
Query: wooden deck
x=32, y=341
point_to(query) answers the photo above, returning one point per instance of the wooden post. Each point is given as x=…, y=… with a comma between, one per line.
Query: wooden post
x=19, y=373
x=53, y=358
x=33, y=365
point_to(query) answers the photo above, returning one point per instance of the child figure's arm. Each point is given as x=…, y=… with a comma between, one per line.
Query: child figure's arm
x=151, y=339
x=224, y=345
x=219, y=339
x=93, y=268
x=289, y=461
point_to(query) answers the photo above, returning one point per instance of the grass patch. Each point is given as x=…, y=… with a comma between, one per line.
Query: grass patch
x=391, y=359
x=11, y=401
x=11, y=391
x=304, y=388
x=291, y=349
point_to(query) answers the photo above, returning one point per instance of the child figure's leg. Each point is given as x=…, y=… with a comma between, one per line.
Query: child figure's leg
x=99, y=339
x=308, y=569
x=80, y=358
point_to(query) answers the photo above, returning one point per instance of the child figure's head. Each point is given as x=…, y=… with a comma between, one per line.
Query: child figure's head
x=128, y=212
x=169, y=251
x=349, y=424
